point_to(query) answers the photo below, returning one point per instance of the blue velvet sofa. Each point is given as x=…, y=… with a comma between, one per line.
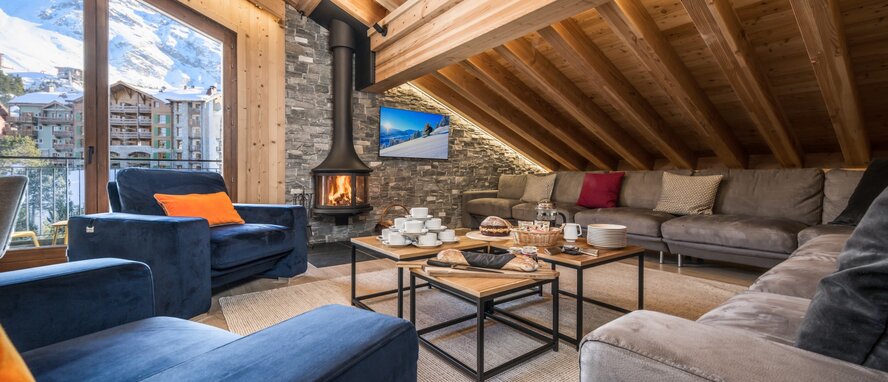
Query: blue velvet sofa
x=187, y=257
x=94, y=320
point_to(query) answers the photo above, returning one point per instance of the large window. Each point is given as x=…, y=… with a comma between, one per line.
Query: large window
x=90, y=87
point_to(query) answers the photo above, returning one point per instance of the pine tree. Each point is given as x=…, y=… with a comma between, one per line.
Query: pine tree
x=10, y=86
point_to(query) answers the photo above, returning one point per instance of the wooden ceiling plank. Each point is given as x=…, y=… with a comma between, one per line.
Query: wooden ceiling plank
x=466, y=29
x=407, y=18
x=720, y=28
x=472, y=89
x=368, y=12
x=562, y=91
x=305, y=6
x=575, y=47
x=629, y=20
x=390, y=5
x=485, y=121
x=507, y=85
x=824, y=38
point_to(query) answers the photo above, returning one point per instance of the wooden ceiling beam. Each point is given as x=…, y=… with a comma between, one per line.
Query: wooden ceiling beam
x=507, y=85
x=464, y=30
x=368, y=12
x=824, y=38
x=629, y=20
x=304, y=6
x=575, y=47
x=562, y=91
x=390, y=5
x=720, y=28
x=485, y=121
x=472, y=89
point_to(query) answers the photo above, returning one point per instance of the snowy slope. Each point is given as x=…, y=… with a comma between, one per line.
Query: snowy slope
x=146, y=47
x=432, y=147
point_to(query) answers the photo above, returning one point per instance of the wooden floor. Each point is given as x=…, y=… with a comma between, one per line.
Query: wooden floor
x=728, y=273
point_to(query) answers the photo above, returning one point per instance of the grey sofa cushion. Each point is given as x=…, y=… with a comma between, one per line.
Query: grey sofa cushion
x=492, y=207
x=538, y=187
x=527, y=211
x=799, y=275
x=838, y=186
x=511, y=186
x=795, y=194
x=641, y=189
x=568, y=185
x=823, y=229
x=848, y=317
x=763, y=234
x=639, y=221
x=772, y=316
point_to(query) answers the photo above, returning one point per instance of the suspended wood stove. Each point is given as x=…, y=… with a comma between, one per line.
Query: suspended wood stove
x=341, y=180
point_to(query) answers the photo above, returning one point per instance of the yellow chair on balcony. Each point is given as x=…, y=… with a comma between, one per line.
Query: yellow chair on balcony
x=59, y=227
x=26, y=235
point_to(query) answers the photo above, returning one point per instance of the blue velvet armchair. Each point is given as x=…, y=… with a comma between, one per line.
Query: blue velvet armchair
x=188, y=257
x=94, y=320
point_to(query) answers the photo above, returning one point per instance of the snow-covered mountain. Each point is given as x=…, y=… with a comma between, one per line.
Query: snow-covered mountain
x=146, y=48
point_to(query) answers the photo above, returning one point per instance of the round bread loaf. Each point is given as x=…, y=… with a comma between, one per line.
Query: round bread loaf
x=495, y=226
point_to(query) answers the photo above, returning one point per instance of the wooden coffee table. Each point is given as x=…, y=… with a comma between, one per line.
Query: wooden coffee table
x=372, y=246
x=482, y=292
x=580, y=263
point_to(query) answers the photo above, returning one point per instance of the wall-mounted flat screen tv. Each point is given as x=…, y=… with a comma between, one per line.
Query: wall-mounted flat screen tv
x=413, y=134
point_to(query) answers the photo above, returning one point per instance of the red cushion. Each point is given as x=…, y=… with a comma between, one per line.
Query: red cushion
x=600, y=190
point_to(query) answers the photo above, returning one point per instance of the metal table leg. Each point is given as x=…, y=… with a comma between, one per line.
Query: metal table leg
x=555, y=297
x=480, y=341
x=641, y=281
x=580, y=301
x=413, y=299
x=353, y=273
x=401, y=292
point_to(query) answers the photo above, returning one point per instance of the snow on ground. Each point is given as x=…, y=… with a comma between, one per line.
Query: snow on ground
x=21, y=40
x=432, y=147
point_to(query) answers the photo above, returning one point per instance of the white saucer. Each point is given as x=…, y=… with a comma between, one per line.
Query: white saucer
x=456, y=240
x=411, y=217
x=385, y=243
x=423, y=232
x=439, y=229
x=437, y=244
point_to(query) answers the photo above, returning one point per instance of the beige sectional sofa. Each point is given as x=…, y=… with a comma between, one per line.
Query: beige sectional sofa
x=760, y=216
x=748, y=338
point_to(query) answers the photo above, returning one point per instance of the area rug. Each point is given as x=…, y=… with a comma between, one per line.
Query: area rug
x=615, y=283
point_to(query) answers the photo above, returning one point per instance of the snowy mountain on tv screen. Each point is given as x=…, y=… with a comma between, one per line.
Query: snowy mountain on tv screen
x=413, y=134
x=145, y=48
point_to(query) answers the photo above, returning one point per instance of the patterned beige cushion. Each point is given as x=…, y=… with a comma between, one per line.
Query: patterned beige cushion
x=688, y=195
x=538, y=187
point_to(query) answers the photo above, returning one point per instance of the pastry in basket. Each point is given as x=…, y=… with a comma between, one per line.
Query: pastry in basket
x=486, y=260
x=495, y=226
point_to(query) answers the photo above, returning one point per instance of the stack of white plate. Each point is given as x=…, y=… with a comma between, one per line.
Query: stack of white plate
x=606, y=235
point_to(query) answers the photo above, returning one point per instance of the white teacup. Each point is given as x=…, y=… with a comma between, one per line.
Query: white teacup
x=395, y=238
x=419, y=212
x=413, y=226
x=385, y=233
x=433, y=223
x=428, y=239
x=572, y=232
x=447, y=235
x=399, y=223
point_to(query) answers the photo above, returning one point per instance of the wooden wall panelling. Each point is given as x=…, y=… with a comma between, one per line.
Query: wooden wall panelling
x=824, y=38
x=473, y=90
x=572, y=44
x=636, y=29
x=483, y=120
x=277, y=8
x=506, y=84
x=560, y=89
x=466, y=29
x=260, y=58
x=721, y=30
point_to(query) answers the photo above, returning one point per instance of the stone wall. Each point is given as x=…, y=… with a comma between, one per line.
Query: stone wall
x=476, y=159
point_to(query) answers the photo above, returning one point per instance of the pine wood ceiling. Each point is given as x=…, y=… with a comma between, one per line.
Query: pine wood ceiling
x=634, y=82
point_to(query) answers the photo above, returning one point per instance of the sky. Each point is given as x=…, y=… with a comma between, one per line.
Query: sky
x=400, y=119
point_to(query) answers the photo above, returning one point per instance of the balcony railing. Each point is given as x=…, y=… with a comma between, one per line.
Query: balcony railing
x=130, y=121
x=131, y=134
x=62, y=133
x=25, y=119
x=45, y=120
x=63, y=146
x=129, y=109
x=56, y=189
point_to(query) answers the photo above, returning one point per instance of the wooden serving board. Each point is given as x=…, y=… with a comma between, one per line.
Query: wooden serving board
x=540, y=274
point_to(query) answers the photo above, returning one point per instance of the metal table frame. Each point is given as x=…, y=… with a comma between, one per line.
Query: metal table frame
x=357, y=301
x=486, y=309
x=580, y=298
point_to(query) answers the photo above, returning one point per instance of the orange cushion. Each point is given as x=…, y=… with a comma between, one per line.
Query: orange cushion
x=216, y=208
x=12, y=367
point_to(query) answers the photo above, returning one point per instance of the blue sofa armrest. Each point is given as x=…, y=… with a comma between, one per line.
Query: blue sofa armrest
x=294, y=217
x=331, y=343
x=177, y=249
x=44, y=305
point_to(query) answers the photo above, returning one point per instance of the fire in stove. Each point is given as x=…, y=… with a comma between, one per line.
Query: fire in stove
x=340, y=193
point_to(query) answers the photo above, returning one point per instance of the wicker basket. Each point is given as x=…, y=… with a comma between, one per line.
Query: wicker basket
x=538, y=239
